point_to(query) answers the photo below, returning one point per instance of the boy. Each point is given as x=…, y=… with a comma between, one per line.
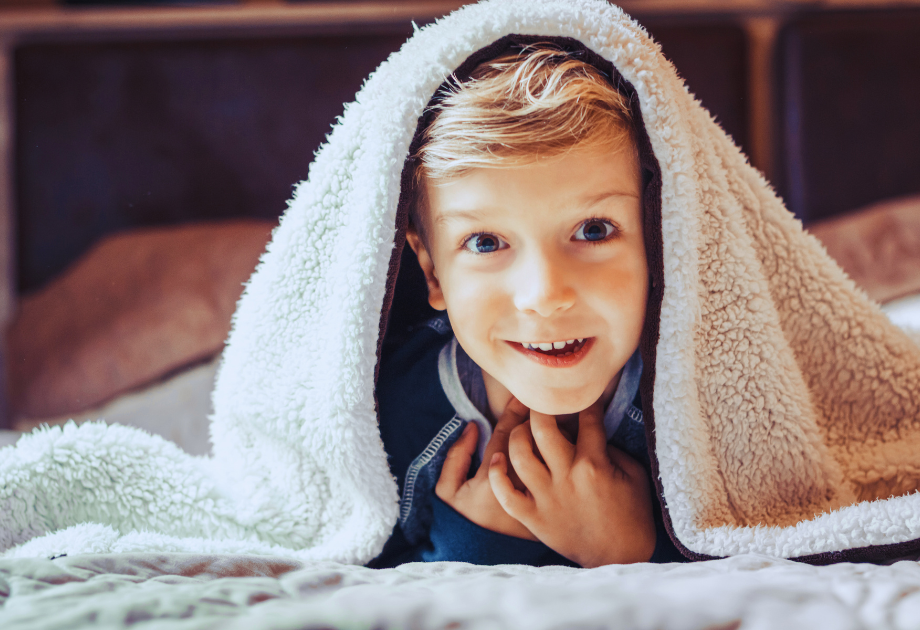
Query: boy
x=527, y=225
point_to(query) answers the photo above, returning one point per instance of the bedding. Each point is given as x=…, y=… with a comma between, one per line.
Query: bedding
x=905, y=312
x=194, y=591
x=8, y=438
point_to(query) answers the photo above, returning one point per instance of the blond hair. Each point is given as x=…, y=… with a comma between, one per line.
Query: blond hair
x=537, y=102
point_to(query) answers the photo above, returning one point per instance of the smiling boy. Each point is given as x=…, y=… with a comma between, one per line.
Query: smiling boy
x=527, y=225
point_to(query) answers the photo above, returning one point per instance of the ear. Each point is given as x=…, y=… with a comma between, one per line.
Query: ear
x=435, y=294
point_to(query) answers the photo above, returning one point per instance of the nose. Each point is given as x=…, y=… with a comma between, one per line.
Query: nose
x=543, y=284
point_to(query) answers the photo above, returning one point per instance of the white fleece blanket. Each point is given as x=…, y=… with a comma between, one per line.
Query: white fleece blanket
x=780, y=390
x=189, y=591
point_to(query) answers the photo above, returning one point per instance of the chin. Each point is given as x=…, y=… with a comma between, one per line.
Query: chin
x=556, y=406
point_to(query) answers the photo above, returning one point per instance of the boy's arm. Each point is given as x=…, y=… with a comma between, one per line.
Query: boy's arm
x=589, y=502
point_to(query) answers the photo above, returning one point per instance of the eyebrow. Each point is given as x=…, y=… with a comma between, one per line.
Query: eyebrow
x=590, y=201
x=444, y=217
x=478, y=213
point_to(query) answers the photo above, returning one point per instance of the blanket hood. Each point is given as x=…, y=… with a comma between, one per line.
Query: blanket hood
x=781, y=405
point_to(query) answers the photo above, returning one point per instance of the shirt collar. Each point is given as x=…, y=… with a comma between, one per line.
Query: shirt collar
x=462, y=382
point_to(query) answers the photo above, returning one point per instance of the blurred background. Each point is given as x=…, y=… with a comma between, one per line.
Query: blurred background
x=148, y=148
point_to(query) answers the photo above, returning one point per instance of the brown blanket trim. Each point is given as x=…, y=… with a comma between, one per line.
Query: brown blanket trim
x=872, y=553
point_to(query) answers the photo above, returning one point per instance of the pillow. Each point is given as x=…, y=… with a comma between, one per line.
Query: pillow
x=878, y=247
x=136, y=307
x=904, y=312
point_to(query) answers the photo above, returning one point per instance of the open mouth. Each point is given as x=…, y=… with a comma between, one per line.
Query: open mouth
x=555, y=354
x=557, y=348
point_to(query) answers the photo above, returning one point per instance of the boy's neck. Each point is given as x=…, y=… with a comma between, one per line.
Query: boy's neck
x=499, y=396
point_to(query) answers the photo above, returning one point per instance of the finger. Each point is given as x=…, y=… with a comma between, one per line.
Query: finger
x=531, y=471
x=556, y=450
x=514, y=414
x=518, y=504
x=592, y=438
x=457, y=463
x=625, y=463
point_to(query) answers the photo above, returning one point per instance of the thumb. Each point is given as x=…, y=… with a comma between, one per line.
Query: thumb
x=457, y=464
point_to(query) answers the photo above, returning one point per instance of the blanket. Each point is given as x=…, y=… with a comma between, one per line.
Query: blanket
x=195, y=592
x=781, y=406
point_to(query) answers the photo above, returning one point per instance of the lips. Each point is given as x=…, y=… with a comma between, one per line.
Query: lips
x=557, y=357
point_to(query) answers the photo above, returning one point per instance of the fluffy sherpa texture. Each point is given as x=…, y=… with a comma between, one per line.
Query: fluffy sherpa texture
x=781, y=392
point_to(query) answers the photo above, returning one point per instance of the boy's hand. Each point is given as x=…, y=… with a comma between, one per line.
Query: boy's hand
x=474, y=498
x=589, y=502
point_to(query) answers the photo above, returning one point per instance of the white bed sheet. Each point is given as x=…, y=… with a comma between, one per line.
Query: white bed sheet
x=176, y=408
x=193, y=592
x=904, y=312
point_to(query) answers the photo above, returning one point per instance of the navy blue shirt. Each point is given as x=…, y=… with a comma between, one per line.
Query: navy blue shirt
x=418, y=424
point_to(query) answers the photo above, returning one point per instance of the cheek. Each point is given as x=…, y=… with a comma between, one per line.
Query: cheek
x=623, y=288
x=474, y=304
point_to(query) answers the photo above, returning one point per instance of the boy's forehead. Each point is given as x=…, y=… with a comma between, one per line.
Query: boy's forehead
x=572, y=183
x=458, y=212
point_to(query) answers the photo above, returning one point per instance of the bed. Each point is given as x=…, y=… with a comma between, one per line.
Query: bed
x=226, y=591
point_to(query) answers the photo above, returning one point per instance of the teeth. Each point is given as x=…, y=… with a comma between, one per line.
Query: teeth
x=557, y=345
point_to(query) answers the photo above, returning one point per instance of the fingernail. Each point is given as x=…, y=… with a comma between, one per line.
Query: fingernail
x=467, y=428
x=495, y=458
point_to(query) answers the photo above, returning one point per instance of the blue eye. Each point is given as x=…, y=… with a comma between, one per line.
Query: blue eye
x=595, y=230
x=483, y=243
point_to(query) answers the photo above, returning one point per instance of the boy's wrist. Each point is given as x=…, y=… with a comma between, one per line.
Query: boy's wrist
x=640, y=548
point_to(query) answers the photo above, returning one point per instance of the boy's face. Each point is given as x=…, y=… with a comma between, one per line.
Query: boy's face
x=541, y=253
